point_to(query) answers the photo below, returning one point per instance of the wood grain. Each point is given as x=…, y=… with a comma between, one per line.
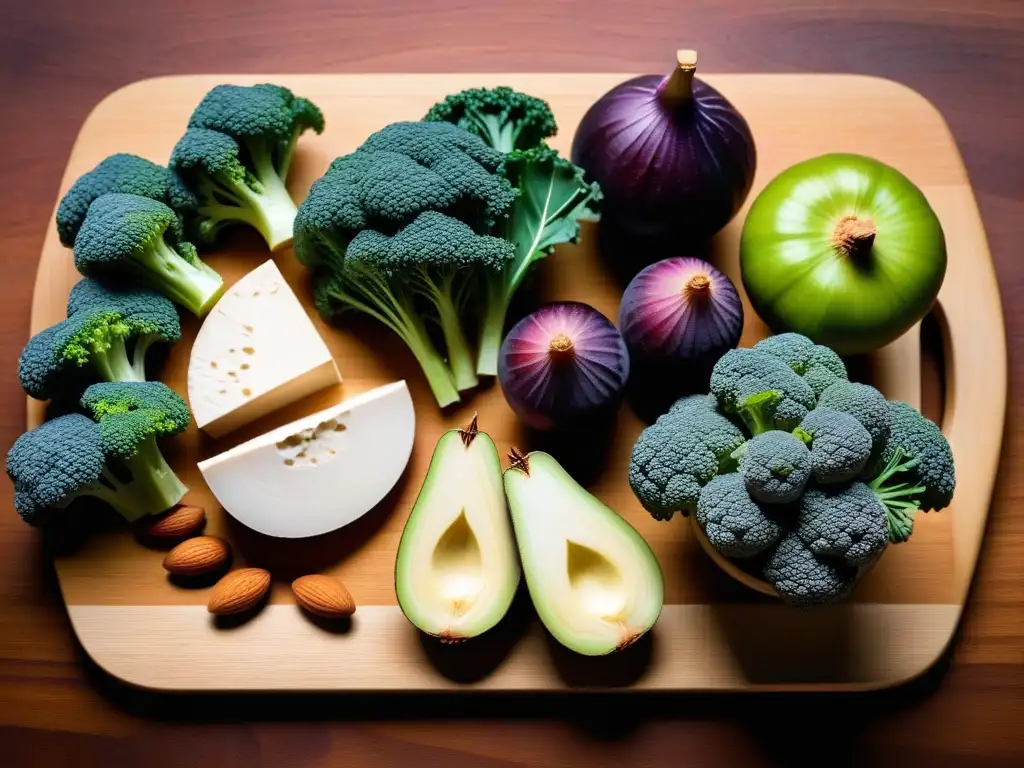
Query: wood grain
x=57, y=59
x=138, y=643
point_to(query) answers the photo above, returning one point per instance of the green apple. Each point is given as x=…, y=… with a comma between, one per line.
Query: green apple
x=843, y=249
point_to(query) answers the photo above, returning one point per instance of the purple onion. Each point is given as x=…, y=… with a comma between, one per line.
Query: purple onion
x=680, y=310
x=671, y=154
x=563, y=365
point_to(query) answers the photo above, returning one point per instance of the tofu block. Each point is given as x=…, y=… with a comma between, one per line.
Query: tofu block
x=320, y=472
x=256, y=352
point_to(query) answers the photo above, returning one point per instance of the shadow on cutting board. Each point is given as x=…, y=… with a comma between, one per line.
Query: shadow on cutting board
x=287, y=559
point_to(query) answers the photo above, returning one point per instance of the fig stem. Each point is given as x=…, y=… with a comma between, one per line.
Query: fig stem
x=854, y=236
x=677, y=88
x=697, y=287
x=561, y=348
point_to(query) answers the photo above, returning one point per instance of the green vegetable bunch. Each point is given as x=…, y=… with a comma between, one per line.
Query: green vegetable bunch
x=132, y=218
x=433, y=225
x=235, y=157
x=111, y=454
x=788, y=463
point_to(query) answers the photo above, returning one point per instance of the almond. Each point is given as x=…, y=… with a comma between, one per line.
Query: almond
x=238, y=591
x=323, y=596
x=203, y=554
x=179, y=523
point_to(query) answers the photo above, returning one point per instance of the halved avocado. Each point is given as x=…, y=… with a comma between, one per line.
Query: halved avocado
x=457, y=570
x=593, y=579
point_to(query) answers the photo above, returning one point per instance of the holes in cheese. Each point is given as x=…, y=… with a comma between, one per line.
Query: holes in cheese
x=320, y=472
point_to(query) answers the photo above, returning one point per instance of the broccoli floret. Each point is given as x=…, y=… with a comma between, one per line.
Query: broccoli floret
x=504, y=118
x=89, y=345
x=775, y=466
x=678, y=455
x=803, y=579
x=435, y=257
x=150, y=316
x=761, y=389
x=734, y=523
x=840, y=445
x=847, y=523
x=553, y=197
x=118, y=173
x=918, y=472
x=131, y=236
x=406, y=217
x=819, y=366
x=228, y=192
x=64, y=459
x=236, y=155
x=697, y=402
x=868, y=406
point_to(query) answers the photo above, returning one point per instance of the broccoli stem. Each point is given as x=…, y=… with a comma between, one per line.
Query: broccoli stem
x=196, y=288
x=901, y=500
x=407, y=324
x=500, y=134
x=142, y=345
x=441, y=296
x=273, y=208
x=492, y=329
x=756, y=412
x=153, y=487
x=112, y=363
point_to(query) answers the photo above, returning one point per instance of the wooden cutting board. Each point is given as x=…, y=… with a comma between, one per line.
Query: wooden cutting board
x=713, y=633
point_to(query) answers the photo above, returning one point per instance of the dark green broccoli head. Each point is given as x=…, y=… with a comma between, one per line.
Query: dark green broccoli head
x=131, y=236
x=864, y=403
x=735, y=524
x=678, y=455
x=432, y=241
x=760, y=388
x=118, y=173
x=399, y=173
x=775, y=467
x=89, y=345
x=131, y=413
x=847, y=523
x=803, y=579
x=202, y=151
x=819, y=366
x=144, y=310
x=504, y=118
x=118, y=226
x=916, y=454
x=840, y=445
x=262, y=111
x=52, y=464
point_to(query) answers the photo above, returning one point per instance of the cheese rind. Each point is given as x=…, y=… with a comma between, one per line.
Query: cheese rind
x=320, y=472
x=256, y=352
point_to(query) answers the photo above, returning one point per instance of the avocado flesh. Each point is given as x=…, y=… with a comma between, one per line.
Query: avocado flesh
x=457, y=569
x=593, y=579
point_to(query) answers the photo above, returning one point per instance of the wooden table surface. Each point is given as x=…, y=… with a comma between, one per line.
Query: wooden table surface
x=59, y=57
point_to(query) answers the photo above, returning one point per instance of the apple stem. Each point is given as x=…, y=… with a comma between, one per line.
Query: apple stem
x=677, y=89
x=854, y=236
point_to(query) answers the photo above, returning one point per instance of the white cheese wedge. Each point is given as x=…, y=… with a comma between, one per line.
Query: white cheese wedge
x=320, y=472
x=256, y=352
